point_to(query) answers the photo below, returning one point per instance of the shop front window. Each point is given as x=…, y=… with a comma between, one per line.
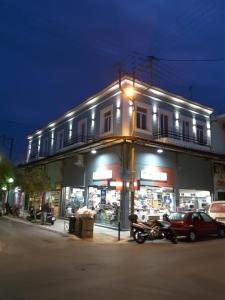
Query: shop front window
x=53, y=198
x=194, y=200
x=72, y=200
x=153, y=202
x=106, y=203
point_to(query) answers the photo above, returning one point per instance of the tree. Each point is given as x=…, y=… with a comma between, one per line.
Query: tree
x=33, y=179
x=7, y=170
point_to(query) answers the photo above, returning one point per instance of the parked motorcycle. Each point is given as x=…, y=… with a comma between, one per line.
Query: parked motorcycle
x=50, y=219
x=153, y=230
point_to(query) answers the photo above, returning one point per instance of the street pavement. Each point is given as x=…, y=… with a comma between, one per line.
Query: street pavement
x=101, y=234
x=45, y=265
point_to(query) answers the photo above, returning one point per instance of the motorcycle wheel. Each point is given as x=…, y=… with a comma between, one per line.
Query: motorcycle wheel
x=135, y=234
x=172, y=237
x=174, y=240
x=140, y=239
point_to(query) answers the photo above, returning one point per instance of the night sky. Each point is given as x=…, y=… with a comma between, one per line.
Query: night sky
x=54, y=54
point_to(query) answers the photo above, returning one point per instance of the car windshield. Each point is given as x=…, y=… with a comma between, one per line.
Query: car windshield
x=217, y=208
x=177, y=216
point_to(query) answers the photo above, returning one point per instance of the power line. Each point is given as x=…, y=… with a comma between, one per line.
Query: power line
x=190, y=59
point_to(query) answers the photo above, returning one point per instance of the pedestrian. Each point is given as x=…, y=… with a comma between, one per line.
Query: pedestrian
x=45, y=210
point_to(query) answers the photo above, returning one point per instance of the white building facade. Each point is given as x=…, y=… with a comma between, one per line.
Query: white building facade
x=86, y=152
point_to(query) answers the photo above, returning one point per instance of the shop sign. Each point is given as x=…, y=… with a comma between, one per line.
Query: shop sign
x=117, y=184
x=103, y=196
x=136, y=184
x=103, y=174
x=154, y=175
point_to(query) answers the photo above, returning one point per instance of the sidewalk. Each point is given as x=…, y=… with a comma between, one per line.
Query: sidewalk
x=101, y=234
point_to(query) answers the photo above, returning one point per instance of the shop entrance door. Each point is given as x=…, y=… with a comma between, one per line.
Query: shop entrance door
x=106, y=203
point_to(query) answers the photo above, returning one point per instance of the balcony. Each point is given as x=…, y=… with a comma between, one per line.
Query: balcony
x=79, y=139
x=175, y=138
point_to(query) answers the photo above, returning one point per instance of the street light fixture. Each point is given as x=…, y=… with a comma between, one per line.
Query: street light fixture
x=10, y=180
x=130, y=92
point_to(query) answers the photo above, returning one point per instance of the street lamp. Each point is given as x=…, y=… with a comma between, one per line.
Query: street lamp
x=130, y=93
x=10, y=180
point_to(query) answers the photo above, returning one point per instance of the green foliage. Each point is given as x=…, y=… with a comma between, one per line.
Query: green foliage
x=7, y=170
x=33, y=179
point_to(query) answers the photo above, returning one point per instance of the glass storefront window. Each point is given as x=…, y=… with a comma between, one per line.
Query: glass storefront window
x=194, y=200
x=53, y=198
x=106, y=203
x=72, y=199
x=153, y=202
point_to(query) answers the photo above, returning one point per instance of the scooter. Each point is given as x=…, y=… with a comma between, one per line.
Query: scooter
x=153, y=230
x=50, y=219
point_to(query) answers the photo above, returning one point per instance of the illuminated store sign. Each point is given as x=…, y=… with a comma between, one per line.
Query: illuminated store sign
x=153, y=175
x=116, y=183
x=103, y=174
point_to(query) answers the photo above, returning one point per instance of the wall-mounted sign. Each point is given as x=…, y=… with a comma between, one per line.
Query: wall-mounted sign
x=103, y=196
x=117, y=184
x=154, y=175
x=103, y=174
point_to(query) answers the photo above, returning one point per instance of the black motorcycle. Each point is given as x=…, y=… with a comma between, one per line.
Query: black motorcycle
x=153, y=230
x=50, y=219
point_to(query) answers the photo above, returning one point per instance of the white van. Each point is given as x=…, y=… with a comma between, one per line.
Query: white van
x=217, y=210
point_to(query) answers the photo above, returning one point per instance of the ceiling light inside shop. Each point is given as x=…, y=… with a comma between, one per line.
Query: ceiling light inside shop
x=93, y=151
x=159, y=150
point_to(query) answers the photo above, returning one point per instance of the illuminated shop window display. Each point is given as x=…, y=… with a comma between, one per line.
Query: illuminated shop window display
x=106, y=203
x=153, y=202
x=73, y=199
x=53, y=198
x=194, y=200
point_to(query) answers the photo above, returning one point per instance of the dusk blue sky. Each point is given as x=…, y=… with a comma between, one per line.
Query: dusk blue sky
x=55, y=54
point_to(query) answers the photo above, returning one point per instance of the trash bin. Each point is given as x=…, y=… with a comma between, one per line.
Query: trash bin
x=86, y=226
x=72, y=221
x=77, y=226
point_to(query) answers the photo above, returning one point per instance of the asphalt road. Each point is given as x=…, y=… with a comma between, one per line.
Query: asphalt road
x=37, y=264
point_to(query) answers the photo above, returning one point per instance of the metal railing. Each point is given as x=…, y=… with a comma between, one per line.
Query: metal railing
x=85, y=139
x=179, y=136
x=79, y=139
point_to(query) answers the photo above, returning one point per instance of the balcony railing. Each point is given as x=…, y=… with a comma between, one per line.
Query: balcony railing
x=178, y=136
x=79, y=139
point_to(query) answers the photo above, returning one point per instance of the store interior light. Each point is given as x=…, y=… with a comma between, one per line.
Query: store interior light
x=159, y=150
x=93, y=151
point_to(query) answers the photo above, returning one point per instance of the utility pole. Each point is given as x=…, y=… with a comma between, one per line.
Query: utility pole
x=119, y=70
x=11, y=148
x=190, y=91
x=151, y=60
x=7, y=143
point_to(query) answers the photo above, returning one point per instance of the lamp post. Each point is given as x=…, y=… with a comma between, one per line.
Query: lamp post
x=130, y=93
x=10, y=182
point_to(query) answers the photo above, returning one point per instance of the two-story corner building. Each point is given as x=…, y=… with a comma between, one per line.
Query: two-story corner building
x=86, y=153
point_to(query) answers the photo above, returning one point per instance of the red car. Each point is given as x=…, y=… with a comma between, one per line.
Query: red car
x=195, y=224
